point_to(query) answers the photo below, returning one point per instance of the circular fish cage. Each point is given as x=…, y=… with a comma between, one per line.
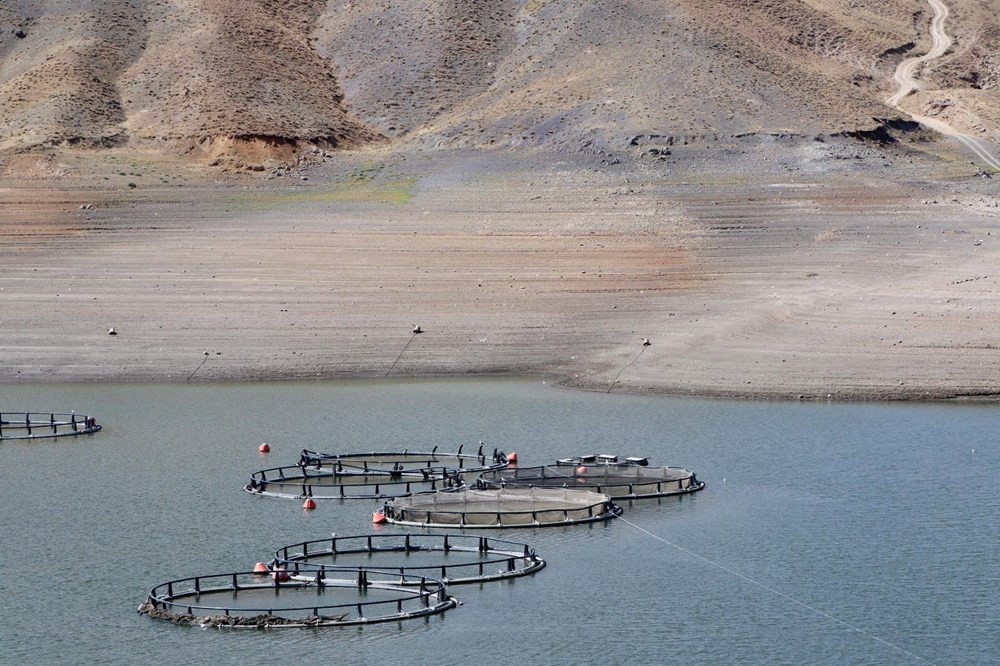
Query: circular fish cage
x=340, y=597
x=38, y=425
x=618, y=481
x=510, y=507
x=455, y=559
x=396, y=461
x=294, y=482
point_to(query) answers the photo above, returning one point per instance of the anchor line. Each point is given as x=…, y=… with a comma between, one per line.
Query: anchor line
x=615, y=380
x=400, y=355
x=777, y=593
x=197, y=369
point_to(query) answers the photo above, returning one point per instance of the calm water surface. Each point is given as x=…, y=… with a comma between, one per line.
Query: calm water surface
x=828, y=534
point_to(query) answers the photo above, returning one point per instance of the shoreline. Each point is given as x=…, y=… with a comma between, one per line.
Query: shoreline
x=785, y=286
x=557, y=381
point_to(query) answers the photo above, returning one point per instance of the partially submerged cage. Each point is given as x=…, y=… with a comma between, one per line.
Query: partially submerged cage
x=618, y=481
x=403, y=460
x=343, y=596
x=453, y=558
x=37, y=425
x=513, y=507
x=295, y=482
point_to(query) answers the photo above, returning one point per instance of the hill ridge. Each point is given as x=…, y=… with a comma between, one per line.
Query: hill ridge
x=207, y=76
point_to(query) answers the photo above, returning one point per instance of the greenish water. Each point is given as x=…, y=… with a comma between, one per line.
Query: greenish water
x=828, y=534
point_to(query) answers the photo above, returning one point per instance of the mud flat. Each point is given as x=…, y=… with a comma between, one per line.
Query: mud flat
x=800, y=273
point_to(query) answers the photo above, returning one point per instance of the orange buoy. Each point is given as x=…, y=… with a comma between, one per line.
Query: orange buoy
x=378, y=518
x=512, y=458
x=309, y=504
x=581, y=470
x=264, y=448
x=260, y=568
x=280, y=574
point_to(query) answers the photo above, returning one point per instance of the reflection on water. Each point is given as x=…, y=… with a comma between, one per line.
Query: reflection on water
x=864, y=520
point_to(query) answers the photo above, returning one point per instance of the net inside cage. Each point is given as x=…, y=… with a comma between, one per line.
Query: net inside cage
x=619, y=482
x=508, y=507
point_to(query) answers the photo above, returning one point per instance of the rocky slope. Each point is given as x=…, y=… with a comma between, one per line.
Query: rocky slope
x=266, y=76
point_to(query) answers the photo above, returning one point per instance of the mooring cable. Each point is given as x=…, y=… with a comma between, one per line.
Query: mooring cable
x=415, y=333
x=198, y=368
x=615, y=380
x=777, y=593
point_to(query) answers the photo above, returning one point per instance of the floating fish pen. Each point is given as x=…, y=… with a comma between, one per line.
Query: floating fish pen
x=512, y=507
x=453, y=558
x=618, y=481
x=604, y=459
x=404, y=460
x=295, y=482
x=36, y=425
x=338, y=597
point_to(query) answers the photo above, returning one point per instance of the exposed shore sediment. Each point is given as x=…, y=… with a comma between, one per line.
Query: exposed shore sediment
x=781, y=286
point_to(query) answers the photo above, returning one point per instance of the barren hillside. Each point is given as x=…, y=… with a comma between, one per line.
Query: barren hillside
x=199, y=75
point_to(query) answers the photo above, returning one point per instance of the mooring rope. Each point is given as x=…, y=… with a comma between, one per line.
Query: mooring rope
x=777, y=593
x=198, y=368
x=615, y=380
x=400, y=354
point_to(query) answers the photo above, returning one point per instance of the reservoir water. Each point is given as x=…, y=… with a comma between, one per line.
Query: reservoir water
x=827, y=534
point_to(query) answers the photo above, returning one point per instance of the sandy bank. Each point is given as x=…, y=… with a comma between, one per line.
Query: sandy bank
x=785, y=285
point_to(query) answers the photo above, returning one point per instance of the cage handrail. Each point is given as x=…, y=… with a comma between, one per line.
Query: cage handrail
x=405, y=543
x=497, y=460
x=422, y=591
x=401, y=484
x=606, y=479
x=598, y=509
x=38, y=425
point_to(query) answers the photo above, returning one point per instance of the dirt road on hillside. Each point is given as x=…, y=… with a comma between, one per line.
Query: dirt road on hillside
x=905, y=77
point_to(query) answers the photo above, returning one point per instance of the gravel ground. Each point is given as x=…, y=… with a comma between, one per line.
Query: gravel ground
x=783, y=274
